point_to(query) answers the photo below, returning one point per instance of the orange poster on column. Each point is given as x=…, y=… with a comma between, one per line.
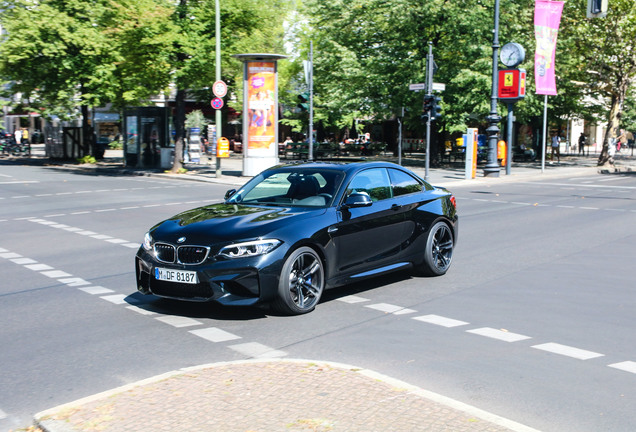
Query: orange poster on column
x=261, y=87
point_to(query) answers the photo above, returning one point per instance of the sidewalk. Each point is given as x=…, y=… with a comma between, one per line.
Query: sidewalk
x=271, y=396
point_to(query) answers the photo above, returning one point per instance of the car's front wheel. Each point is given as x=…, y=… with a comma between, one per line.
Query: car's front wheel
x=302, y=281
x=439, y=250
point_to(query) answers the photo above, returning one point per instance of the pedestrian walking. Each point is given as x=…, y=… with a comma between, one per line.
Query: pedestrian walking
x=25, y=136
x=555, y=148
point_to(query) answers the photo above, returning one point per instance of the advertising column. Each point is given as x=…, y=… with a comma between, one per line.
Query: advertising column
x=260, y=112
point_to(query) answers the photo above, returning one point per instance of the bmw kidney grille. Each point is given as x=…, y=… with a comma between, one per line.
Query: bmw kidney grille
x=182, y=254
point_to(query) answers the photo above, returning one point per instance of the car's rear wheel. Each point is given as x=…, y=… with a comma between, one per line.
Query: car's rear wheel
x=439, y=250
x=302, y=281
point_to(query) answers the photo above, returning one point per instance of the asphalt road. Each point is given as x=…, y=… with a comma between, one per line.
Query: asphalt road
x=534, y=322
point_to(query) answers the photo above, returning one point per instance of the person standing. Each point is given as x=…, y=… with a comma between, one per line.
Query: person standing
x=18, y=136
x=582, y=143
x=555, y=148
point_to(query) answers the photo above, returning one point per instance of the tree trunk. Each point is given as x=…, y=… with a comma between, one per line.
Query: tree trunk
x=88, y=147
x=179, y=128
x=606, y=156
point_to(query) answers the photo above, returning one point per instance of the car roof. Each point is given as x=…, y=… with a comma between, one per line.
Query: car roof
x=345, y=166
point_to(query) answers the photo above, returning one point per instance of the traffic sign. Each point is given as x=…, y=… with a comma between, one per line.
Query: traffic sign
x=219, y=89
x=223, y=147
x=217, y=103
x=417, y=87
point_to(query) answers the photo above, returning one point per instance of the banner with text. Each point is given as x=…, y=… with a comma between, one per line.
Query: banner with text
x=261, y=88
x=547, y=17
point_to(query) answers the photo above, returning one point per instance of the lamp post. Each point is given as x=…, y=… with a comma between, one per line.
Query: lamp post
x=492, y=167
x=218, y=78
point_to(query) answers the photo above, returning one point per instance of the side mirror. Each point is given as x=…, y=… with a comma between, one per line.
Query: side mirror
x=229, y=193
x=358, y=199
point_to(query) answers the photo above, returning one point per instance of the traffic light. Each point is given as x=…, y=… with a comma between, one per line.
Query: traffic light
x=428, y=105
x=436, y=109
x=304, y=101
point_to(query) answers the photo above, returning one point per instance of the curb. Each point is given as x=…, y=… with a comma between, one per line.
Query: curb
x=45, y=420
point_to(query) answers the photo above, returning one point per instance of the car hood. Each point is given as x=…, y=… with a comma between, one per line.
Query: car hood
x=229, y=222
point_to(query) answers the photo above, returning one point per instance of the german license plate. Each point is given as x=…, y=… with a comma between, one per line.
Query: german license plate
x=179, y=276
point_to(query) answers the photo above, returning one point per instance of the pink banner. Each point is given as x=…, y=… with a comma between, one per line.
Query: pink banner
x=547, y=17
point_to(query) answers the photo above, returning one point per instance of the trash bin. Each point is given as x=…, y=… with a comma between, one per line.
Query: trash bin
x=167, y=157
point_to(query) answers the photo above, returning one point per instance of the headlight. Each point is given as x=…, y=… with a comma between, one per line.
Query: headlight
x=147, y=244
x=248, y=249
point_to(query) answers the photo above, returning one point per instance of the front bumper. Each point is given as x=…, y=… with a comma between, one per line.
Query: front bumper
x=230, y=282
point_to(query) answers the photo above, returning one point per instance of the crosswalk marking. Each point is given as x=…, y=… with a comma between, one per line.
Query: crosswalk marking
x=178, y=321
x=214, y=334
x=568, y=351
x=257, y=350
x=498, y=334
x=627, y=366
x=440, y=321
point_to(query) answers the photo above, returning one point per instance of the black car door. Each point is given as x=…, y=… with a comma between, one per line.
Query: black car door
x=369, y=238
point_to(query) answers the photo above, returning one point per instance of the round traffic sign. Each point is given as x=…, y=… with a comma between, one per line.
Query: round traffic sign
x=217, y=103
x=219, y=89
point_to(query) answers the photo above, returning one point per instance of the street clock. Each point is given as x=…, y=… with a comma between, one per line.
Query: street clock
x=512, y=54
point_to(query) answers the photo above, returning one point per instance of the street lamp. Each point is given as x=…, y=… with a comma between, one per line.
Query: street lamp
x=492, y=167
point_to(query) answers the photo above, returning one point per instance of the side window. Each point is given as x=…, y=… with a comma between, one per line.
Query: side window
x=403, y=183
x=373, y=181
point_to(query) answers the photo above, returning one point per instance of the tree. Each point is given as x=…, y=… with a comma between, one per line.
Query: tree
x=65, y=54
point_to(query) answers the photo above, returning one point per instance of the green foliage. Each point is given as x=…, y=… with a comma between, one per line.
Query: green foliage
x=87, y=160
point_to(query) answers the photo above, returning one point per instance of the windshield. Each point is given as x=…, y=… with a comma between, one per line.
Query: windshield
x=305, y=188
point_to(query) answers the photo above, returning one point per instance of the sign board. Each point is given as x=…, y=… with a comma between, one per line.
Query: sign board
x=470, y=140
x=512, y=84
x=223, y=148
x=439, y=86
x=217, y=103
x=417, y=87
x=219, y=89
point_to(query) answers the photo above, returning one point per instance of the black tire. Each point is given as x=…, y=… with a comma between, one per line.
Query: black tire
x=439, y=251
x=302, y=282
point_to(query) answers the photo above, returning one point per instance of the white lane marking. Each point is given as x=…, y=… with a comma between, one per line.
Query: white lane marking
x=257, y=350
x=440, y=321
x=38, y=267
x=59, y=225
x=86, y=233
x=3, y=415
x=627, y=366
x=3, y=250
x=101, y=237
x=23, y=261
x=74, y=282
x=9, y=255
x=56, y=274
x=178, y=321
x=96, y=290
x=389, y=308
x=132, y=245
x=141, y=310
x=117, y=241
x=116, y=298
x=498, y=334
x=72, y=229
x=351, y=299
x=214, y=334
x=568, y=351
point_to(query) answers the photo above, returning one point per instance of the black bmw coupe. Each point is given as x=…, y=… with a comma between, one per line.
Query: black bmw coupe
x=295, y=230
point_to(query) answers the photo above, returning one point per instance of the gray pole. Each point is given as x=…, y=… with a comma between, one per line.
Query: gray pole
x=545, y=127
x=429, y=91
x=218, y=78
x=492, y=167
x=311, y=101
x=511, y=118
x=399, y=119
